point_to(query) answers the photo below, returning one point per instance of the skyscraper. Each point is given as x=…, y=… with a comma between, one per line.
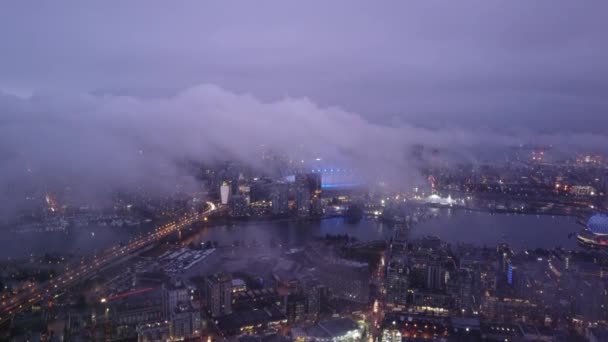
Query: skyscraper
x=279, y=198
x=347, y=280
x=604, y=189
x=225, y=192
x=435, y=279
x=314, y=181
x=182, y=314
x=295, y=308
x=185, y=322
x=397, y=281
x=174, y=293
x=219, y=294
x=303, y=200
x=238, y=206
x=313, y=298
x=316, y=207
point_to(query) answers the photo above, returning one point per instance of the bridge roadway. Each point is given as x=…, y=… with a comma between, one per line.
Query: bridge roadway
x=31, y=293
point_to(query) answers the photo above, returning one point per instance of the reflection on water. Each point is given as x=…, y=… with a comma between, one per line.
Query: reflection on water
x=293, y=233
x=82, y=241
x=520, y=231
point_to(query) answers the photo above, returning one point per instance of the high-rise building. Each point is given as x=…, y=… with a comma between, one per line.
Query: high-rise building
x=225, y=192
x=347, y=280
x=185, y=322
x=238, y=206
x=417, y=152
x=303, y=200
x=504, y=252
x=313, y=298
x=181, y=313
x=261, y=189
x=604, y=190
x=280, y=199
x=234, y=184
x=316, y=207
x=510, y=273
x=174, y=293
x=460, y=287
x=295, y=308
x=219, y=294
x=245, y=191
x=435, y=277
x=314, y=182
x=154, y=332
x=591, y=303
x=138, y=308
x=397, y=281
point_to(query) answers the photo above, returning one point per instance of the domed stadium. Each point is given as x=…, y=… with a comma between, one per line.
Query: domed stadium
x=598, y=224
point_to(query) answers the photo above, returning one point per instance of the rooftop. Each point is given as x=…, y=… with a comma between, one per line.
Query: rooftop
x=328, y=329
x=236, y=320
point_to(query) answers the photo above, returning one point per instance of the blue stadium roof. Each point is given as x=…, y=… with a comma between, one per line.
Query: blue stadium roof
x=598, y=224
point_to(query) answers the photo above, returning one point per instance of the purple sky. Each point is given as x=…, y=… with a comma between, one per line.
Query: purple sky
x=532, y=64
x=86, y=85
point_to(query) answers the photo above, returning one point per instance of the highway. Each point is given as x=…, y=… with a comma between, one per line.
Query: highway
x=25, y=297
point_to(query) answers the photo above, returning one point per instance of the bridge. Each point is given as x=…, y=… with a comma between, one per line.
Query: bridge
x=25, y=297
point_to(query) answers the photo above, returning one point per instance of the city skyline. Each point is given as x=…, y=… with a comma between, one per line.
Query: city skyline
x=361, y=86
x=277, y=171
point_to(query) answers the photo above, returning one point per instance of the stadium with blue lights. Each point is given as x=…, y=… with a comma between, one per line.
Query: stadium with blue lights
x=598, y=224
x=596, y=233
x=338, y=178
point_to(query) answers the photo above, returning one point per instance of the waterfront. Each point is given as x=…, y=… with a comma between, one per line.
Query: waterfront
x=80, y=241
x=482, y=228
x=294, y=233
x=452, y=226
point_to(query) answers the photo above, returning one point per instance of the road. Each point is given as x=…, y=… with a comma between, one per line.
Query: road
x=377, y=313
x=25, y=297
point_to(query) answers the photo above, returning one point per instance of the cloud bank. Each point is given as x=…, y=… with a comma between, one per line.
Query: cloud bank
x=539, y=64
x=99, y=143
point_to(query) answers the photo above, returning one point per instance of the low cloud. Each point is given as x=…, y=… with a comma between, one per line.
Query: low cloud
x=96, y=144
